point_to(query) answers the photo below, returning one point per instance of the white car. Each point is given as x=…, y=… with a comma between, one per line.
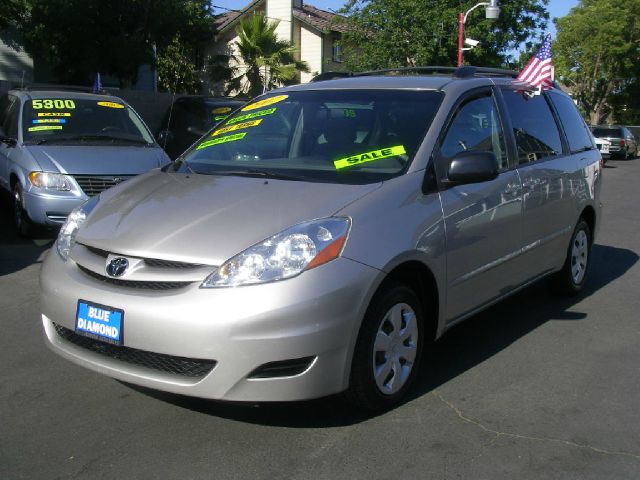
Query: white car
x=603, y=146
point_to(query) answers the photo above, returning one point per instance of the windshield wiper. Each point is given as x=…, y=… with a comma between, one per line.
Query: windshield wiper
x=254, y=172
x=67, y=138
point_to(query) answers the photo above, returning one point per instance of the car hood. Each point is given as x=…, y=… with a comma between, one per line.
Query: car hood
x=97, y=160
x=204, y=218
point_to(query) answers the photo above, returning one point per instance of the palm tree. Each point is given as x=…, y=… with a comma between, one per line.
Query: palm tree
x=264, y=61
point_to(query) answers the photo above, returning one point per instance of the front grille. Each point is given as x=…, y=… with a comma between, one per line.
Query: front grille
x=145, y=285
x=150, y=262
x=93, y=185
x=186, y=367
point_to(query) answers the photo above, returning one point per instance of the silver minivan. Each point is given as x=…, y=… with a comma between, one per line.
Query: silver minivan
x=324, y=235
x=59, y=148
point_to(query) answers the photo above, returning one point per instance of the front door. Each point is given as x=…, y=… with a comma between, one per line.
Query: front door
x=482, y=220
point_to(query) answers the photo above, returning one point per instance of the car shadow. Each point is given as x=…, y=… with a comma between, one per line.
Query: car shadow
x=459, y=350
x=16, y=252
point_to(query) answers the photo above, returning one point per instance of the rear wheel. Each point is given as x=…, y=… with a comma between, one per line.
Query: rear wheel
x=573, y=276
x=388, y=349
x=20, y=218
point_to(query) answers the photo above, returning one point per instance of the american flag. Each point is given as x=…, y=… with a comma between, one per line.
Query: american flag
x=539, y=70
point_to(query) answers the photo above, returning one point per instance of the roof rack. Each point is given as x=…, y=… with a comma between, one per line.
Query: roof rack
x=63, y=88
x=455, y=72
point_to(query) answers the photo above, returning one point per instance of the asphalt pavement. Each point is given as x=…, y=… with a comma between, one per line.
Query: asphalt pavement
x=537, y=387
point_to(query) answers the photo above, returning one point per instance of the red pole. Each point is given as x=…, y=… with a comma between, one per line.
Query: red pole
x=460, y=37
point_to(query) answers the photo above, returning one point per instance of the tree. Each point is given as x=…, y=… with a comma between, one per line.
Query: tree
x=176, y=71
x=263, y=61
x=596, y=53
x=81, y=37
x=400, y=33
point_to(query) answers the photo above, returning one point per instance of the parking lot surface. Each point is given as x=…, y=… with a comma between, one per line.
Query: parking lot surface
x=536, y=387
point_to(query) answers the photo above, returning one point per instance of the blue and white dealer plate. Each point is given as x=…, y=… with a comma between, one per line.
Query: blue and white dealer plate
x=100, y=322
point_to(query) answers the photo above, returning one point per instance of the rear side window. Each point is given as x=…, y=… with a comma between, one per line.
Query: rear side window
x=574, y=127
x=534, y=127
x=607, y=132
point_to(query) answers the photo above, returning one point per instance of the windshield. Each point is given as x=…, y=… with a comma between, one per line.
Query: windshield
x=341, y=136
x=58, y=120
x=607, y=132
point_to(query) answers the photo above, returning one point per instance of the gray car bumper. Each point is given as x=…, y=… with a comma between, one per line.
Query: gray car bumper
x=50, y=210
x=316, y=314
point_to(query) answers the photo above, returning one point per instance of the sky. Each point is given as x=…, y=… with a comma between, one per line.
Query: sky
x=557, y=8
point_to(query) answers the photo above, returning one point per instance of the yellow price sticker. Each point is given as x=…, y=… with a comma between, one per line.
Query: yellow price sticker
x=266, y=102
x=217, y=141
x=45, y=127
x=110, y=104
x=54, y=114
x=369, y=157
x=221, y=110
x=239, y=126
x=248, y=116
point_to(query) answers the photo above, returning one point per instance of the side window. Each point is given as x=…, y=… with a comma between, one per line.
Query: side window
x=576, y=130
x=534, y=127
x=10, y=125
x=476, y=127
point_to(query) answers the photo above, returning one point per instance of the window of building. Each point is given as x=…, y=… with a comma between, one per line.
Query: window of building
x=336, y=49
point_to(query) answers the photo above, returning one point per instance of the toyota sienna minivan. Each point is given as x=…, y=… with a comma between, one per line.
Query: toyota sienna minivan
x=320, y=238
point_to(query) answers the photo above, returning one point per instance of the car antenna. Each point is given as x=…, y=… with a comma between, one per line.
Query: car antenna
x=166, y=137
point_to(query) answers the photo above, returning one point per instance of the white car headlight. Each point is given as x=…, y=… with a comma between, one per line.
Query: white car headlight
x=285, y=255
x=51, y=181
x=69, y=230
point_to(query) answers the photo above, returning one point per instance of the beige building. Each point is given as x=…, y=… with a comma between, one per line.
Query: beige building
x=313, y=32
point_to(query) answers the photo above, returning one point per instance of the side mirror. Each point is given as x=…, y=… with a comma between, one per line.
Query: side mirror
x=8, y=141
x=472, y=167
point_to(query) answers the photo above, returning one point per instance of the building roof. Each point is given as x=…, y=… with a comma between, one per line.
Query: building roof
x=321, y=20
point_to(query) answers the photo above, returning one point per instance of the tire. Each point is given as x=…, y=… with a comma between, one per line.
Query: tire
x=575, y=271
x=625, y=155
x=20, y=218
x=390, y=341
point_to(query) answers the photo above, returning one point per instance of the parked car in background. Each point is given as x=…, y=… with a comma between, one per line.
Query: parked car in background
x=189, y=118
x=623, y=143
x=604, y=146
x=635, y=130
x=58, y=148
x=319, y=239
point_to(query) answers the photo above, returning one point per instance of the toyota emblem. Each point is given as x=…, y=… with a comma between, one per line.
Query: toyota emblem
x=117, y=267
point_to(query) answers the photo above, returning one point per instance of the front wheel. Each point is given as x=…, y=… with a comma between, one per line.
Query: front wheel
x=20, y=218
x=573, y=276
x=388, y=350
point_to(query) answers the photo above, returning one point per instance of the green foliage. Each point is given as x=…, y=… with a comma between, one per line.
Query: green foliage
x=176, y=71
x=596, y=53
x=11, y=13
x=264, y=62
x=397, y=33
x=81, y=37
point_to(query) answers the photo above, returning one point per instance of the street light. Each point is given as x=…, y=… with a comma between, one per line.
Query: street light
x=491, y=11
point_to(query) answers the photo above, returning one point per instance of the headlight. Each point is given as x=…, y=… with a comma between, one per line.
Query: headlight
x=68, y=232
x=51, y=181
x=285, y=255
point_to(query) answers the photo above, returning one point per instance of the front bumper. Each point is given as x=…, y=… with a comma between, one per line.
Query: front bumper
x=50, y=209
x=316, y=314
